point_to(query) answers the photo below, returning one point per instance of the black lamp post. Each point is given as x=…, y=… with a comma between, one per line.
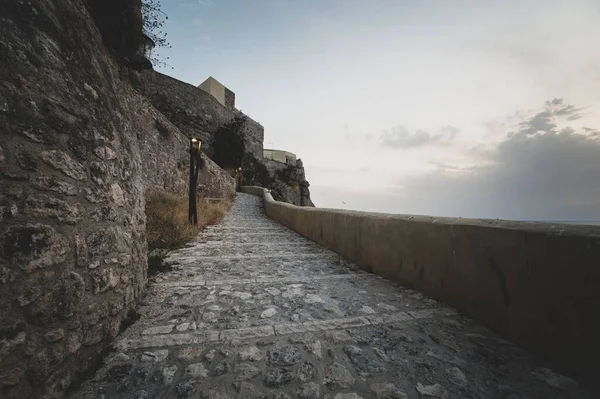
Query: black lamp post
x=238, y=179
x=195, y=146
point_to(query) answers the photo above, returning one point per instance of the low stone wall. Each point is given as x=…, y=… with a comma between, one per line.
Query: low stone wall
x=537, y=284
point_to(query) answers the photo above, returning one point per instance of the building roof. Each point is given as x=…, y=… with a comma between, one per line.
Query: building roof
x=211, y=78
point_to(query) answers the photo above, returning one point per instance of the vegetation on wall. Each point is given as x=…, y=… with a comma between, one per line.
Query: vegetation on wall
x=286, y=174
x=167, y=224
x=254, y=172
x=228, y=145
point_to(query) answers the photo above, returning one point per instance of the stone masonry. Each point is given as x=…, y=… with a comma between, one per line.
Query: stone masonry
x=253, y=310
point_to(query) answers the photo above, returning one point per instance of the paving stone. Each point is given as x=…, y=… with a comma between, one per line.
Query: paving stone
x=367, y=310
x=222, y=368
x=242, y=295
x=248, y=332
x=365, y=363
x=306, y=372
x=121, y=357
x=456, y=376
x=183, y=327
x=312, y=298
x=186, y=389
x=273, y=291
x=209, y=317
x=309, y=391
x=432, y=391
x=210, y=355
x=268, y=313
x=244, y=372
x=387, y=307
x=156, y=356
x=328, y=330
x=381, y=353
x=157, y=330
x=250, y=353
x=388, y=391
x=278, y=377
x=168, y=374
x=189, y=353
x=249, y=391
x=196, y=370
x=336, y=375
x=347, y=396
x=287, y=355
x=316, y=349
x=216, y=392
x=281, y=395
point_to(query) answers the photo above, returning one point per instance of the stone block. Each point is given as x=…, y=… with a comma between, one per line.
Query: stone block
x=101, y=242
x=54, y=335
x=105, y=153
x=51, y=183
x=62, y=161
x=34, y=246
x=44, y=206
x=27, y=161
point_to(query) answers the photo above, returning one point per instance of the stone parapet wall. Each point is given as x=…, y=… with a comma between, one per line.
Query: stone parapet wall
x=537, y=284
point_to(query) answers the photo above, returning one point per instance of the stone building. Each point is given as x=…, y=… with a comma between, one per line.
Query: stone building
x=216, y=89
x=280, y=156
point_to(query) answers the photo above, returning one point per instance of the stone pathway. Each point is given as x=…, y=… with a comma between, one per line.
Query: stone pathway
x=253, y=310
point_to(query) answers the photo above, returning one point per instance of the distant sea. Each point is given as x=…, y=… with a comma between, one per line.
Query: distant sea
x=581, y=222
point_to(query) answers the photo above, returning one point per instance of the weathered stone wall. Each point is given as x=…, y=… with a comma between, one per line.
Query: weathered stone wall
x=72, y=247
x=193, y=111
x=79, y=149
x=535, y=283
x=165, y=154
x=229, y=98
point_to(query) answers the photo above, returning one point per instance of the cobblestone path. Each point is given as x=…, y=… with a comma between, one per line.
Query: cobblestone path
x=253, y=310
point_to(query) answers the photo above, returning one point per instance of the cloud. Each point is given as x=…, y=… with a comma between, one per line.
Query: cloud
x=401, y=137
x=541, y=171
x=544, y=121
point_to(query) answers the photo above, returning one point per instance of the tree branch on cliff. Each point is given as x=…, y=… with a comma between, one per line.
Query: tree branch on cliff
x=154, y=20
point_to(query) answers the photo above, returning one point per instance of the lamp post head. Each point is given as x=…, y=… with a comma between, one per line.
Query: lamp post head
x=196, y=144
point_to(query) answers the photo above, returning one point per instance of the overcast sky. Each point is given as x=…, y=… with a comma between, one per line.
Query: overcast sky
x=451, y=108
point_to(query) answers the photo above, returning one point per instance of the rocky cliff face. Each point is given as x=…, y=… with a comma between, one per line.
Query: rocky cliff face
x=287, y=182
x=80, y=148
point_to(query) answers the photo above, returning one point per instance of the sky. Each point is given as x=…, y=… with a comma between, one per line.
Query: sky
x=435, y=107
